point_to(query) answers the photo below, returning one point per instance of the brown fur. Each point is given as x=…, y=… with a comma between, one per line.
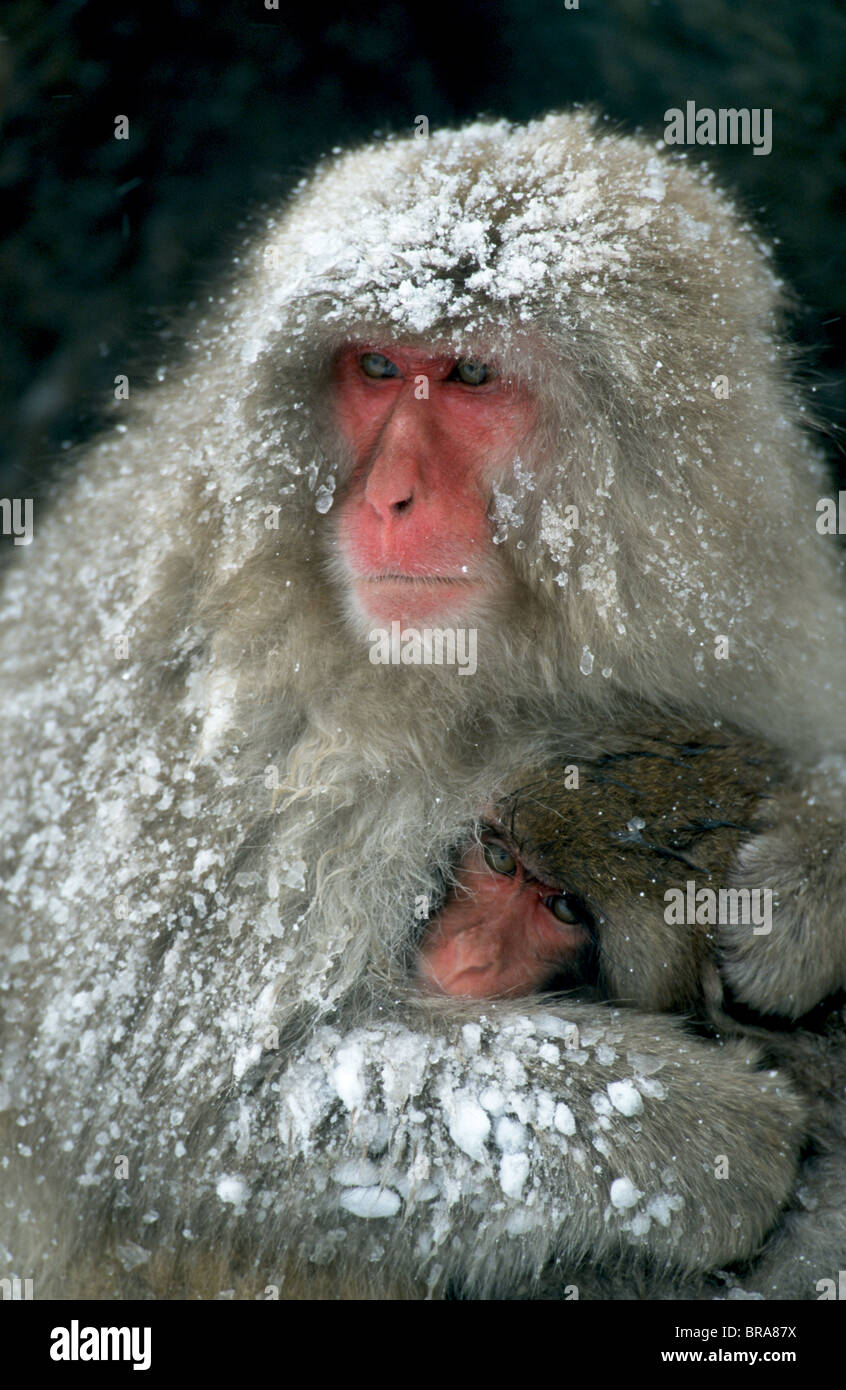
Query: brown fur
x=659, y=806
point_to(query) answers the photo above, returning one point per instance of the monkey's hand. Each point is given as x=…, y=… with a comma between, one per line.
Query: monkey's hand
x=796, y=956
x=483, y=1151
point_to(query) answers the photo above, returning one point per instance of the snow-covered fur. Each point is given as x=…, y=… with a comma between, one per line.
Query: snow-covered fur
x=221, y=821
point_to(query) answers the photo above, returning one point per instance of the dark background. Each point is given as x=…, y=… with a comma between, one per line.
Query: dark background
x=228, y=105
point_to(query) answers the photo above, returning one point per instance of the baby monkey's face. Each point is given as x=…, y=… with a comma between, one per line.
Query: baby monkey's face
x=506, y=929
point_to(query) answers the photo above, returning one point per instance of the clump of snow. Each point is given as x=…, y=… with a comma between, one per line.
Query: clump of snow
x=468, y=1124
x=564, y=1119
x=625, y=1097
x=348, y=1076
x=513, y=1173
x=131, y=1256
x=356, y=1173
x=232, y=1190
x=370, y=1202
x=624, y=1194
x=510, y=1136
x=661, y=1207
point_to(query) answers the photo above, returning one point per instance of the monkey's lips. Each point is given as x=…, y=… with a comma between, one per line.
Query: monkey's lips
x=414, y=598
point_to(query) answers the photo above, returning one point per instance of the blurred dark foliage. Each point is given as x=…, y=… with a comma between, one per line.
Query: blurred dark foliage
x=228, y=105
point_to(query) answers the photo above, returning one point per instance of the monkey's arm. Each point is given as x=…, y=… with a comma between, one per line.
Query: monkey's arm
x=476, y=1149
x=802, y=860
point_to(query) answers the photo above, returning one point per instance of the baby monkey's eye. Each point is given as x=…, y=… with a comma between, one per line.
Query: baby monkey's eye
x=564, y=907
x=471, y=373
x=498, y=859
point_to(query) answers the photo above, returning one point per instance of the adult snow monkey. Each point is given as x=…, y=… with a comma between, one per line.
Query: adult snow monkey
x=517, y=390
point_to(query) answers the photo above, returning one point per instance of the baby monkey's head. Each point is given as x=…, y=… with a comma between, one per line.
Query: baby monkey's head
x=587, y=875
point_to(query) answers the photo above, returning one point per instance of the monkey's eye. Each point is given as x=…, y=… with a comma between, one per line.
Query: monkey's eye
x=376, y=364
x=562, y=906
x=498, y=859
x=471, y=373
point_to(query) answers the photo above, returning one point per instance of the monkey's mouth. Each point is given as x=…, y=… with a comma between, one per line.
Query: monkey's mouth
x=392, y=578
x=415, y=598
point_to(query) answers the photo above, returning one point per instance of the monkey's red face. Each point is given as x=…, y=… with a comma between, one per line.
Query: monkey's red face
x=502, y=931
x=429, y=434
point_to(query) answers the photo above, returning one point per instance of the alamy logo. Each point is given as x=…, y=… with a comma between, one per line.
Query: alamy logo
x=709, y=907
x=16, y=1289
x=84, y=1343
x=727, y=126
x=428, y=646
x=16, y=519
